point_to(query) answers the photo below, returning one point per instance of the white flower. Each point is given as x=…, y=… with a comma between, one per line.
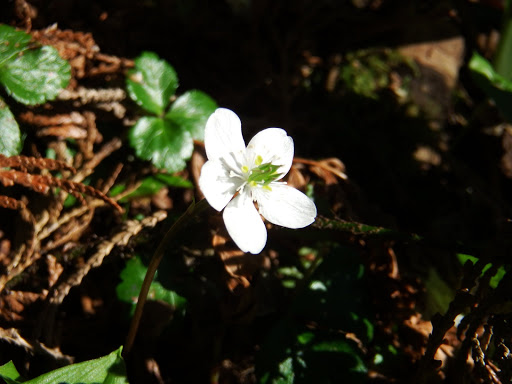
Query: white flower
x=235, y=176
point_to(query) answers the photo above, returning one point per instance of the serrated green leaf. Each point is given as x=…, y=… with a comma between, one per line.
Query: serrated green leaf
x=191, y=111
x=10, y=144
x=152, y=83
x=108, y=369
x=12, y=42
x=132, y=277
x=9, y=373
x=165, y=144
x=36, y=76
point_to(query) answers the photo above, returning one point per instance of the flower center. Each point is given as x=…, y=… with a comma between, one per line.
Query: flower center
x=262, y=174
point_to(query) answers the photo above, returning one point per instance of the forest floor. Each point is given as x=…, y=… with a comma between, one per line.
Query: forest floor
x=409, y=165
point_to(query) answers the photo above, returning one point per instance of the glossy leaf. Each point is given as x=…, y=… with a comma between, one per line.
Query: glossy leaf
x=190, y=111
x=12, y=42
x=108, y=369
x=10, y=144
x=36, y=76
x=165, y=144
x=132, y=277
x=152, y=83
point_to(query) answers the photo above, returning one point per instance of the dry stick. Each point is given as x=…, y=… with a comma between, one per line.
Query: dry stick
x=193, y=210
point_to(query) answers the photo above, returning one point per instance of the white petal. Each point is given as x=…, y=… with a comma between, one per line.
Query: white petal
x=285, y=206
x=223, y=135
x=244, y=224
x=217, y=185
x=274, y=146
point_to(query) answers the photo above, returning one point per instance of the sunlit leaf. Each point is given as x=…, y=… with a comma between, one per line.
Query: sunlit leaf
x=9, y=373
x=190, y=111
x=495, y=280
x=132, y=277
x=108, y=369
x=152, y=83
x=12, y=42
x=10, y=143
x=36, y=76
x=166, y=145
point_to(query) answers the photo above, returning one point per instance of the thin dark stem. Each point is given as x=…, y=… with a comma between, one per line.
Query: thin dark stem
x=193, y=210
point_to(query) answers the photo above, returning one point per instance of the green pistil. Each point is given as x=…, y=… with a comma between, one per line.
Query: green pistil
x=264, y=174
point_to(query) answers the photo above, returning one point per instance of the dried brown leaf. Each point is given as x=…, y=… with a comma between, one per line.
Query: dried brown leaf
x=328, y=169
x=13, y=303
x=239, y=266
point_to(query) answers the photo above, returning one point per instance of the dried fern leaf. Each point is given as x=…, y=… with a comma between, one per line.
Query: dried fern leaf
x=31, y=163
x=10, y=203
x=42, y=184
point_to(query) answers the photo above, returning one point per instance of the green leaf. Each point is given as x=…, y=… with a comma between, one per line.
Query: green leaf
x=10, y=144
x=167, y=146
x=492, y=83
x=132, y=277
x=495, y=280
x=36, y=76
x=9, y=373
x=12, y=42
x=108, y=369
x=152, y=184
x=152, y=83
x=174, y=181
x=191, y=111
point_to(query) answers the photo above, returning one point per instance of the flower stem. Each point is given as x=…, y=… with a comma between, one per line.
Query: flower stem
x=193, y=210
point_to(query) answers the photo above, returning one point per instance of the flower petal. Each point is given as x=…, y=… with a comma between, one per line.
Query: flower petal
x=274, y=146
x=244, y=224
x=223, y=135
x=286, y=206
x=217, y=185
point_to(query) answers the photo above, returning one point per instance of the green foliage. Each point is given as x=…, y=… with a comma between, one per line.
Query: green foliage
x=167, y=138
x=9, y=373
x=13, y=42
x=492, y=83
x=132, y=277
x=495, y=279
x=151, y=185
x=108, y=369
x=152, y=83
x=31, y=75
x=295, y=353
x=10, y=144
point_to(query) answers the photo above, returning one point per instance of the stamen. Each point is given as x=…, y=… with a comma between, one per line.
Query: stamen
x=258, y=160
x=245, y=169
